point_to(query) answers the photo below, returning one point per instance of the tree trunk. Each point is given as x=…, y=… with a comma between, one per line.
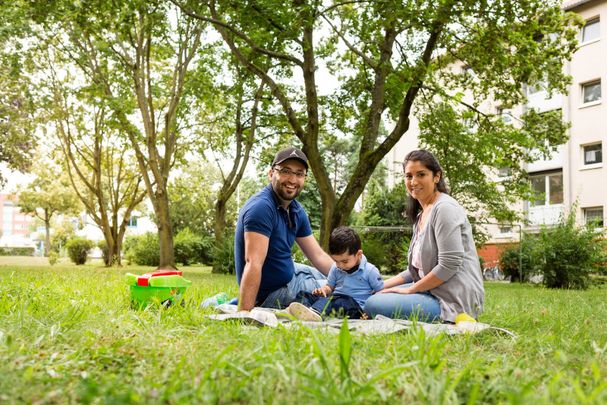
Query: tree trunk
x=219, y=228
x=47, y=233
x=116, y=259
x=165, y=230
x=110, y=252
x=113, y=243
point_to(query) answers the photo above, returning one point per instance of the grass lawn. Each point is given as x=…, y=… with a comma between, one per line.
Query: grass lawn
x=67, y=334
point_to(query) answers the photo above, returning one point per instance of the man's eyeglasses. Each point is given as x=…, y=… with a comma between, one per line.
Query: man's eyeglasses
x=287, y=172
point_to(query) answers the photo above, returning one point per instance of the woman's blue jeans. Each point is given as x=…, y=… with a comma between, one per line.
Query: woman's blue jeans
x=423, y=306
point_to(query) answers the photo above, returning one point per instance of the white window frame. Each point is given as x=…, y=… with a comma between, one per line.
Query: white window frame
x=583, y=157
x=133, y=221
x=590, y=22
x=546, y=177
x=586, y=210
x=584, y=86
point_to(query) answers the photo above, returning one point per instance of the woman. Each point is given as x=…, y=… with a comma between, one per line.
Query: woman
x=443, y=278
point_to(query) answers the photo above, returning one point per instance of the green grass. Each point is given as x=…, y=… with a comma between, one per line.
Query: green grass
x=67, y=334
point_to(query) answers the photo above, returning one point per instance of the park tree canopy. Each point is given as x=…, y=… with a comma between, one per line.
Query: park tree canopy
x=17, y=141
x=383, y=56
x=334, y=70
x=47, y=195
x=135, y=58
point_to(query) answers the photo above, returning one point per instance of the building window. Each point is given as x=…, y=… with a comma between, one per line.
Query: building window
x=591, y=92
x=505, y=229
x=536, y=88
x=591, y=31
x=505, y=114
x=548, y=187
x=133, y=222
x=593, y=154
x=504, y=172
x=594, y=216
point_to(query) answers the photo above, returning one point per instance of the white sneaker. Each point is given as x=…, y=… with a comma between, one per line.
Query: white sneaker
x=303, y=313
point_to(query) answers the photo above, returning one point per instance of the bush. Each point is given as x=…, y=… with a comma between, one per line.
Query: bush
x=143, y=250
x=191, y=248
x=78, y=249
x=386, y=249
x=62, y=232
x=17, y=251
x=568, y=255
x=510, y=259
x=224, y=256
x=53, y=257
x=105, y=252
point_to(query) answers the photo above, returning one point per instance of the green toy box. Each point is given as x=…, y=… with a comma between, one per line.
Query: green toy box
x=165, y=287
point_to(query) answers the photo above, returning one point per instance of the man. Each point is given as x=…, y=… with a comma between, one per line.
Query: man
x=269, y=224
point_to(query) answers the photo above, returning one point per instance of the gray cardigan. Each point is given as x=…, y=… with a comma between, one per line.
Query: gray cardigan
x=447, y=247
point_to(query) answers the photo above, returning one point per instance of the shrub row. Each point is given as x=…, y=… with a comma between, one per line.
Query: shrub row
x=565, y=256
x=189, y=248
x=17, y=251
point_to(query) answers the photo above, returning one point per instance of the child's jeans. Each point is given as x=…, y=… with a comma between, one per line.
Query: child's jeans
x=338, y=304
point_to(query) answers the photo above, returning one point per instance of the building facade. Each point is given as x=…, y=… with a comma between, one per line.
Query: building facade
x=16, y=226
x=575, y=177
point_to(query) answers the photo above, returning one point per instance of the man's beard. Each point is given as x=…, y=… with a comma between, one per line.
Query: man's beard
x=279, y=190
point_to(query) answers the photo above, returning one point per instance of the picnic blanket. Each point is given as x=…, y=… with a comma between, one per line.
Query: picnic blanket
x=267, y=317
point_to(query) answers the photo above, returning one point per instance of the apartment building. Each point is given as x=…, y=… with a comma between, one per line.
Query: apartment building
x=575, y=176
x=15, y=225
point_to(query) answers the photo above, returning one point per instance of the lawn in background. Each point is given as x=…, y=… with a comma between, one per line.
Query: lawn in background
x=68, y=334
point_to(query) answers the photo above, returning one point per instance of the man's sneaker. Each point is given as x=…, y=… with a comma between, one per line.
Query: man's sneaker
x=303, y=313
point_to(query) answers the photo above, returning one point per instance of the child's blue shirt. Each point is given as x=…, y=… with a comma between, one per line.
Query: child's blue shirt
x=359, y=285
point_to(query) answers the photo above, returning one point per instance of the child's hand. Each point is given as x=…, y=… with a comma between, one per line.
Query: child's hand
x=323, y=291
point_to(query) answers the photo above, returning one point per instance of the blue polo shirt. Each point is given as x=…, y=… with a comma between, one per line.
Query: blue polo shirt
x=359, y=284
x=263, y=214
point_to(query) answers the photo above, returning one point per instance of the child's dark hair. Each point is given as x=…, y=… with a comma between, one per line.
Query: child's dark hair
x=344, y=239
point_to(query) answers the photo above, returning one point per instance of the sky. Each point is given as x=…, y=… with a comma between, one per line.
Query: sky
x=13, y=179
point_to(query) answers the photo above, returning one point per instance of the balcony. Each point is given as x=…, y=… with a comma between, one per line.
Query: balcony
x=545, y=214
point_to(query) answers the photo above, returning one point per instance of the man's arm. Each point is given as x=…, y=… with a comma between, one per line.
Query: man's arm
x=255, y=251
x=318, y=257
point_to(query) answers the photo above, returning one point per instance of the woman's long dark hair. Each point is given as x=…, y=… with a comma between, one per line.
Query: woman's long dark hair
x=429, y=161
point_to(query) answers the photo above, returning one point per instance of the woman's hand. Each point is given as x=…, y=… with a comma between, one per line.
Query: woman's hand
x=396, y=290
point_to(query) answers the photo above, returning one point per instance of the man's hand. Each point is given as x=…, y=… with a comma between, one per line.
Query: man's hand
x=322, y=291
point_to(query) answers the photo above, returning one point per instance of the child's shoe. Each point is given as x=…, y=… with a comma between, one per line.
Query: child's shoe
x=303, y=313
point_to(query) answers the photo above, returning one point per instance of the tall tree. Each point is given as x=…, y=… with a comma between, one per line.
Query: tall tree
x=192, y=198
x=384, y=54
x=97, y=159
x=17, y=141
x=99, y=164
x=135, y=57
x=229, y=119
x=47, y=195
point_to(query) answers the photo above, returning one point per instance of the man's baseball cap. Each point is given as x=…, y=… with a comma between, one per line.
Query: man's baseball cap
x=290, y=153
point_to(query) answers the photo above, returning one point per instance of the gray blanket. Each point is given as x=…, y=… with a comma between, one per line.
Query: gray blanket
x=380, y=325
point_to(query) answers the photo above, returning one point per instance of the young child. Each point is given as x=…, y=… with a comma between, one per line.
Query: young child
x=352, y=280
